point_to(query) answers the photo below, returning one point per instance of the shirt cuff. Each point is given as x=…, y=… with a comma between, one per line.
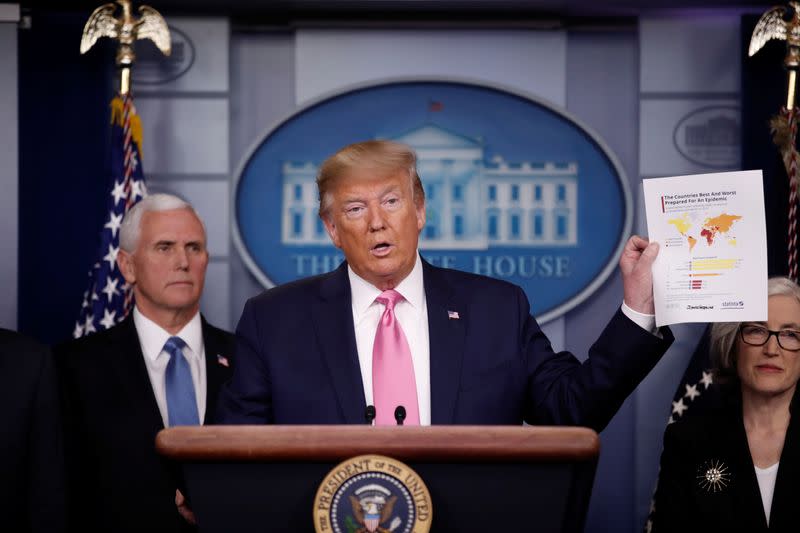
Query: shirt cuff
x=644, y=321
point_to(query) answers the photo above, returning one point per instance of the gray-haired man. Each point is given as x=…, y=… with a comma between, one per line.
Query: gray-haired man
x=162, y=366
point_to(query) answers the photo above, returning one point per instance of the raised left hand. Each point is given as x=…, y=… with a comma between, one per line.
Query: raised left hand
x=636, y=265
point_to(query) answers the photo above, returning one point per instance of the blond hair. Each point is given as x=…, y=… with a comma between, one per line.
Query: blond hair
x=385, y=157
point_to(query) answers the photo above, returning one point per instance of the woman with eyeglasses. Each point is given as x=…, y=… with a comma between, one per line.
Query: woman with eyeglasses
x=737, y=468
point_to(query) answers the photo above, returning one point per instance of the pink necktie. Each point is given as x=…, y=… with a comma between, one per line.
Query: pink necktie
x=393, y=382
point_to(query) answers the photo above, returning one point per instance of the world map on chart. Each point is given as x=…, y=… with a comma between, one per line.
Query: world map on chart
x=709, y=229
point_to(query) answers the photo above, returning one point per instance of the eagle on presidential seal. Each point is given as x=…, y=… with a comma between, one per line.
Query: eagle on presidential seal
x=372, y=512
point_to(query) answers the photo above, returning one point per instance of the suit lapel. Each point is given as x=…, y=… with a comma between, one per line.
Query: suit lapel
x=131, y=375
x=782, y=517
x=216, y=373
x=746, y=496
x=447, y=317
x=332, y=316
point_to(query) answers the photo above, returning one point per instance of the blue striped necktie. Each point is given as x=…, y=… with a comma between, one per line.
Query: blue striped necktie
x=181, y=401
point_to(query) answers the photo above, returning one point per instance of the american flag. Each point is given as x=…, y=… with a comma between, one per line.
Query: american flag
x=694, y=396
x=108, y=299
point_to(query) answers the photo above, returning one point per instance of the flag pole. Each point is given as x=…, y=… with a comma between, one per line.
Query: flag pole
x=783, y=23
x=108, y=299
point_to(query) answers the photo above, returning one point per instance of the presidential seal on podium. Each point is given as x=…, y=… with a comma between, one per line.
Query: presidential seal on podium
x=372, y=494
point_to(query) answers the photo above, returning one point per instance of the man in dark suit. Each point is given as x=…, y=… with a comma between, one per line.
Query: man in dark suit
x=161, y=367
x=389, y=329
x=31, y=455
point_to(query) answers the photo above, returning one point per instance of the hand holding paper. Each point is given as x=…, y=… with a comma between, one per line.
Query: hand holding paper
x=636, y=265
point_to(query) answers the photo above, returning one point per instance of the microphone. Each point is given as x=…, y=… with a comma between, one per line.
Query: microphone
x=369, y=414
x=400, y=414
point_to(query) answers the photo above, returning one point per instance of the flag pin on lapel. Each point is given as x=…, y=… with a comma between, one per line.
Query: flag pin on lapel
x=453, y=315
x=222, y=360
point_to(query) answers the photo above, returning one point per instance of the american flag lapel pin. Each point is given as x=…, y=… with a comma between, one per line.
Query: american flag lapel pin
x=453, y=315
x=222, y=360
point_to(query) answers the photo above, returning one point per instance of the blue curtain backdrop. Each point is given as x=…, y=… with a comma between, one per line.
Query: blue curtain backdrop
x=64, y=168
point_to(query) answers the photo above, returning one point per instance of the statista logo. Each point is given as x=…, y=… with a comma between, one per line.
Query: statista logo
x=738, y=304
x=515, y=188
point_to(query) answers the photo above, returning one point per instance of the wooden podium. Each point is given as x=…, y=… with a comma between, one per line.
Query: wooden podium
x=481, y=478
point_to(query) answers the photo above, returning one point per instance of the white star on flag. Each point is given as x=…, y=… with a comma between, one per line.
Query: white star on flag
x=137, y=189
x=114, y=222
x=88, y=327
x=111, y=288
x=118, y=192
x=78, y=331
x=708, y=379
x=679, y=407
x=111, y=256
x=691, y=392
x=108, y=318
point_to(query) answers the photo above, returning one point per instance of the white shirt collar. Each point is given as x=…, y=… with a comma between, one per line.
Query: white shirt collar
x=152, y=337
x=363, y=293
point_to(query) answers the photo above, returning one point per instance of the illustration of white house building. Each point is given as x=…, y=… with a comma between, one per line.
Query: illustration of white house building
x=470, y=203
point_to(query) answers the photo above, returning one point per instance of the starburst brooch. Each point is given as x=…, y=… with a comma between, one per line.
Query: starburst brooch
x=713, y=476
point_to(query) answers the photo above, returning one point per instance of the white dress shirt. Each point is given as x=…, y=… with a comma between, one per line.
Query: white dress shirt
x=152, y=338
x=643, y=320
x=766, y=485
x=412, y=314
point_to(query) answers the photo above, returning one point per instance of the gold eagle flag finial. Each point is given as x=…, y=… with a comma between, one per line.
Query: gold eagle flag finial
x=126, y=29
x=783, y=23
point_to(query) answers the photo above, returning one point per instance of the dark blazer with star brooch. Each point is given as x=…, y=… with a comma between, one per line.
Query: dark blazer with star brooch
x=116, y=480
x=707, y=480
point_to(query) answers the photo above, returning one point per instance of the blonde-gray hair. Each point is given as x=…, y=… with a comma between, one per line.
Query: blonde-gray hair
x=723, y=334
x=386, y=157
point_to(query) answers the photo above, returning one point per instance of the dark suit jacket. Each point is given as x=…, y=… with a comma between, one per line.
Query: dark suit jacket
x=31, y=454
x=117, y=482
x=690, y=445
x=297, y=361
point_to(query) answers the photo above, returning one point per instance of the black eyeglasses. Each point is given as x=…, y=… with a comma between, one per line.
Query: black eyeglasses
x=754, y=335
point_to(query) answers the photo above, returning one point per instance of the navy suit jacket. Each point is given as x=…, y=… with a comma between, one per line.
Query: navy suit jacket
x=32, y=495
x=116, y=480
x=297, y=361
